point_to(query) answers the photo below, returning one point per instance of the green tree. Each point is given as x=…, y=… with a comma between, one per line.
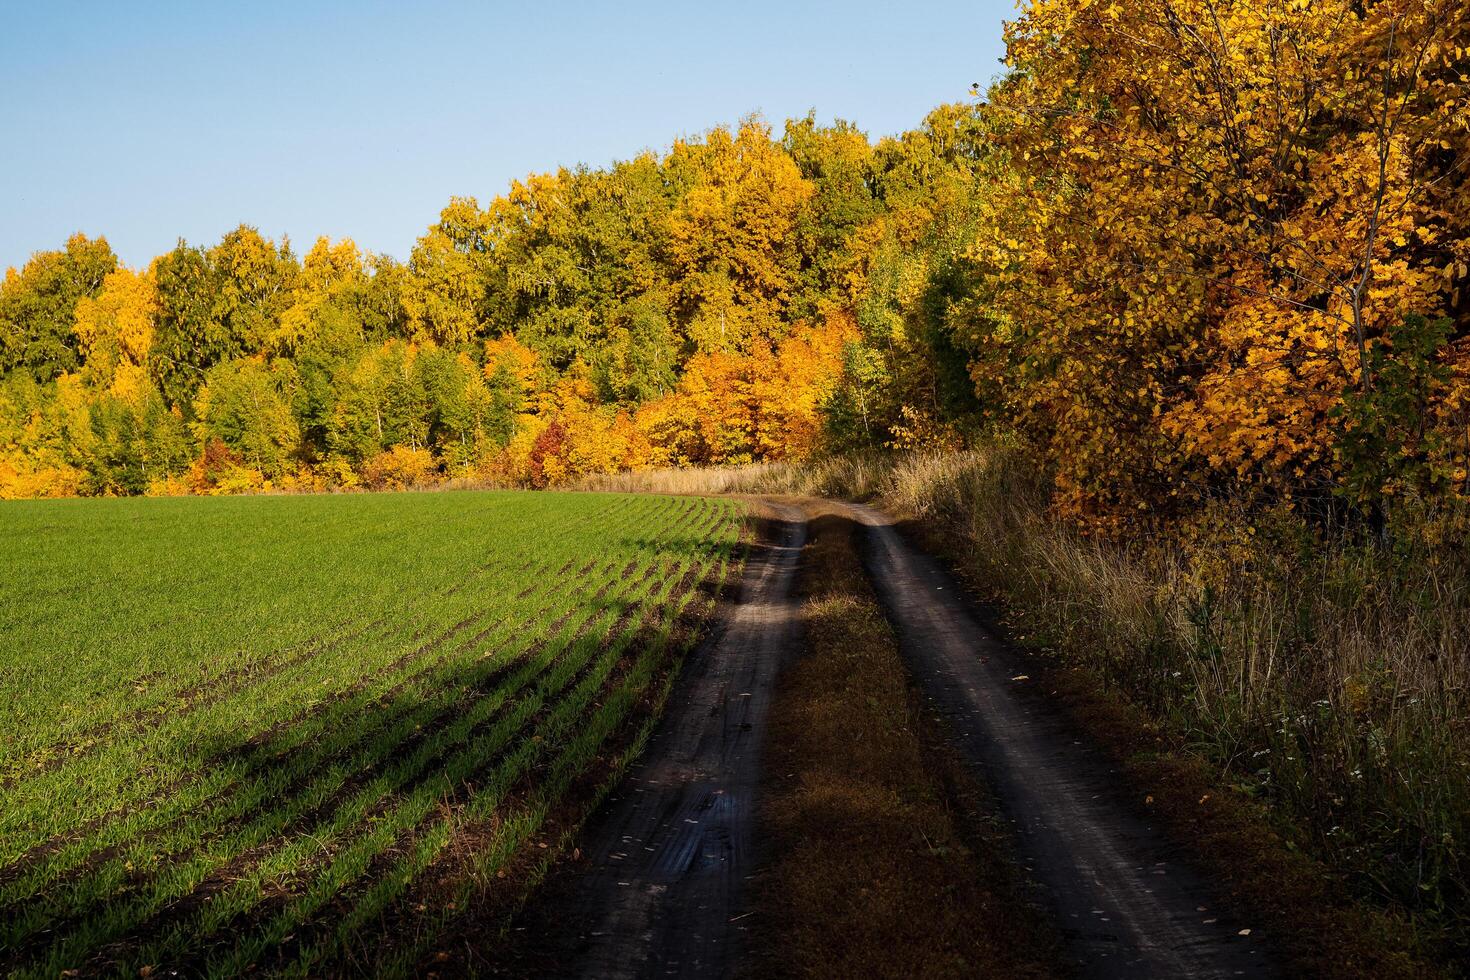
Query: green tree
x=1386, y=443
x=381, y=403
x=137, y=440
x=246, y=404
x=323, y=361
x=38, y=303
x=639, y=359
x=837, y=161
x=217, y=304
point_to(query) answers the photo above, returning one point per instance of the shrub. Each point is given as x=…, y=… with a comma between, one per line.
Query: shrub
x=399, y=468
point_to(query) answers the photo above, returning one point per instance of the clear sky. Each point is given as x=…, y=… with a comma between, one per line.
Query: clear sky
x=150, y=121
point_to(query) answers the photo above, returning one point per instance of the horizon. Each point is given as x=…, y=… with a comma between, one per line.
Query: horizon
x=377, y=165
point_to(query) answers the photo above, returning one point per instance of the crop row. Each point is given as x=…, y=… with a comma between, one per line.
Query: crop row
x=336, y=772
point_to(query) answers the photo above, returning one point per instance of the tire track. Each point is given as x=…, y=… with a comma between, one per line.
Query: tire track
x=1127, y=904
x=669, y=854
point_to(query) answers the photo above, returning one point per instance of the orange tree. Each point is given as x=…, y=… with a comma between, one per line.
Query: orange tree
x=1214, y=211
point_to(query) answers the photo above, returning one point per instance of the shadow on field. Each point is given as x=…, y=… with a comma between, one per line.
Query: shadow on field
x=656, y=885
x=473, y=717
x=686, y=548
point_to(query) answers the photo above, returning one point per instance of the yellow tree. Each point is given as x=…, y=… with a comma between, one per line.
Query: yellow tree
x=115, y=331
x=444, y=295
x=738, y=408
x=327, y=271
x=731, y=239
x=1222, y=205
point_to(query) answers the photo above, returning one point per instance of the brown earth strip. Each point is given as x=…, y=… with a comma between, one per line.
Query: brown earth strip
x=190, y=698
x=180, y=703
x=479, y=939
x=219, y=687
x=883, y=855
x=497, y=898
x=699, y=768
x=237, y=865
x=259, y=740
x=383, y=862
x=34, y=856
x=40, y=852
x=459, y=853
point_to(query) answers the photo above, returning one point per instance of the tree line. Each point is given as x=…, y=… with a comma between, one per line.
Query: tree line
x=694, y=307
x=1181, y=249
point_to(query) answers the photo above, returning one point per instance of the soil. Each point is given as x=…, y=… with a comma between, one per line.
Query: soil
x=656, y=888
x=1125, y=898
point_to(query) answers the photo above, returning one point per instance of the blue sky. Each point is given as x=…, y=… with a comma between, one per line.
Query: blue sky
x=148, y=122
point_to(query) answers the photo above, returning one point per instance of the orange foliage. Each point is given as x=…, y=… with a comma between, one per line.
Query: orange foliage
x=1204, y=216
x=399, y=468
x=730, y=408
x=220, y=470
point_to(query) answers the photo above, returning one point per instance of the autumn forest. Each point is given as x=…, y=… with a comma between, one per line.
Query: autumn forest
x=1177, y=251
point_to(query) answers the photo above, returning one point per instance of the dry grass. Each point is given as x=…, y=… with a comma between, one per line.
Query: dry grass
x=1324, y=677
x=883, y=863
x=854, y=476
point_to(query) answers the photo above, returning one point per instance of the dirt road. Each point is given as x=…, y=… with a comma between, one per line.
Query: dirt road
x=1125, y=903
x=665, y=860
x=668, y=854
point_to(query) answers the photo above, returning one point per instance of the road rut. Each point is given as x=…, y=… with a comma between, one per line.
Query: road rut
x=668, y=854
x=660, y=890
x=1126, y=904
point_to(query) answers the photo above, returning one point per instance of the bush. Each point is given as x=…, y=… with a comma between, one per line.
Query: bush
x=399, y=468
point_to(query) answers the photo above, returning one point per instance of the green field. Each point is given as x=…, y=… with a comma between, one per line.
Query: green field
x=305, y=734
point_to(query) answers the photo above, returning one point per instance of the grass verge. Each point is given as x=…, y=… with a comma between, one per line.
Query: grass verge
x=1231, y=835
